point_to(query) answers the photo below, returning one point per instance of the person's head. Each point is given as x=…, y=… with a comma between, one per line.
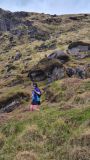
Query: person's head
x=34, y=84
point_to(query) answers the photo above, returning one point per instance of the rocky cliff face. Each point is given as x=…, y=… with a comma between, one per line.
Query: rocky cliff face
x=7, y=21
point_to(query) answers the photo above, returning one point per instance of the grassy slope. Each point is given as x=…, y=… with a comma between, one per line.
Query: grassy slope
x=61, y=130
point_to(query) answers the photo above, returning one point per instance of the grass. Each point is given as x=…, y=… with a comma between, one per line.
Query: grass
x=41, y=132
x=47, y=134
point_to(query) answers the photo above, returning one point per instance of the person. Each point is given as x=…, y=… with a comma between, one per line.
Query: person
x=36, y=94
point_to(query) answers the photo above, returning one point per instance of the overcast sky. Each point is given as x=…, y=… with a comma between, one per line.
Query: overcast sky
x=47, y=6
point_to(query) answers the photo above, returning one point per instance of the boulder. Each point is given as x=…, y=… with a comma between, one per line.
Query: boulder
x=81, y=45
x=47, y=69
x=79, y=49
x=11, y=103
x=80, y=72
x=60, y=55
x=70, y=71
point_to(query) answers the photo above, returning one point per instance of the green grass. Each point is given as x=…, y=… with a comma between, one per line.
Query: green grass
x=47, y=134
x=43, y=132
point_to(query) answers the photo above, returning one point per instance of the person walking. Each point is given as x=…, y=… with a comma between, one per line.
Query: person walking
x=36, y=94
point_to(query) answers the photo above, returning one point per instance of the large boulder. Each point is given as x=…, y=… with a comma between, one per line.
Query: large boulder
x=47, y=69
x=60, y=55
x=79, y=49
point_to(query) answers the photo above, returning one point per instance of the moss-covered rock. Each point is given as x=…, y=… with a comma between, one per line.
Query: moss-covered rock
x=47, y=69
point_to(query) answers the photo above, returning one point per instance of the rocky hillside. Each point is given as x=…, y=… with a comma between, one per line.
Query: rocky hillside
x=53, y=51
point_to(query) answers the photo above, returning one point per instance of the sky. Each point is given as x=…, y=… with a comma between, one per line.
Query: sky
x=47, y=6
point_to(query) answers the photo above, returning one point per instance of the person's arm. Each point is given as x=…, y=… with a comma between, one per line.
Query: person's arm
x=37, y=91
x=32, y=94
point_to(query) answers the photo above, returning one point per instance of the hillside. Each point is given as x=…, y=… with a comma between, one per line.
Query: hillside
x=50, y=48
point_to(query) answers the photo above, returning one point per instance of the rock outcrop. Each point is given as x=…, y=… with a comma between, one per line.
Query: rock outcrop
x=47, y=69
x=8, y=21
x=79, y=49
x=13, y=102
x=14, y=23
x=60, y=55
